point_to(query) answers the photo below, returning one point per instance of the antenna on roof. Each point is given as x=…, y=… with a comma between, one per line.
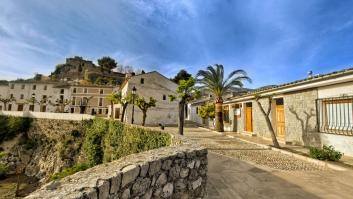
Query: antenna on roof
x=310, y=74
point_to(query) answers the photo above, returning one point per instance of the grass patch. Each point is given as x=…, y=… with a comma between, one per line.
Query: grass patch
x=69, y=171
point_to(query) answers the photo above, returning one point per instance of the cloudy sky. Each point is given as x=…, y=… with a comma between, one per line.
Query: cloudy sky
x=276, y=41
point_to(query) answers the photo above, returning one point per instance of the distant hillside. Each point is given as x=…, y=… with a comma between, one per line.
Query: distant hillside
x=77, y=68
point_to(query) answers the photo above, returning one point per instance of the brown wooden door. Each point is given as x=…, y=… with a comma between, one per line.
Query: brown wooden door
x=117, y=113
x=280, y=121
x=248, y=119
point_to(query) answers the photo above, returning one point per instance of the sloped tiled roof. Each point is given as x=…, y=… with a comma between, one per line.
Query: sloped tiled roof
x=314, y=78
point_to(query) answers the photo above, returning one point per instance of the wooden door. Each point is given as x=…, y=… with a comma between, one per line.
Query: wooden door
x=248, y=119
x=117, y=113
x=280, y=121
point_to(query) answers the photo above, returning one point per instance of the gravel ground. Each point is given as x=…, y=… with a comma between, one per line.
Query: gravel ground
x=249, y=152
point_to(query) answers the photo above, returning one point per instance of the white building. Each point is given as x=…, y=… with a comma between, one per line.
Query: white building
x=147, y=85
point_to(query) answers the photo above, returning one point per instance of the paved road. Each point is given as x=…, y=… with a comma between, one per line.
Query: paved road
x=241, y=170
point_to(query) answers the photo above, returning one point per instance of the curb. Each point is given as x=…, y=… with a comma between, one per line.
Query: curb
x=321, y=163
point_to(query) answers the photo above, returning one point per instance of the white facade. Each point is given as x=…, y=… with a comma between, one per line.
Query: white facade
x=153, y=85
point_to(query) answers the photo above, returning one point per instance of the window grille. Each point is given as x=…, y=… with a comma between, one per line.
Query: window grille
x=335, y=115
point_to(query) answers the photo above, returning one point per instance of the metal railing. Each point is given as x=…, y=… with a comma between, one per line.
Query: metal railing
x=335, y=115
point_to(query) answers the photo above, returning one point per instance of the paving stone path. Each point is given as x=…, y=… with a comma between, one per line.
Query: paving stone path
x=239, y=169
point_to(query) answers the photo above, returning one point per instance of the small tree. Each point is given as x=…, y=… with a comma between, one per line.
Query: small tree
x=207, y=111
x=182, y=75
x=113, y=98
x=267, y=118
x=186, y=92
x=107, y=64
x=7, y=100
x=144, y=106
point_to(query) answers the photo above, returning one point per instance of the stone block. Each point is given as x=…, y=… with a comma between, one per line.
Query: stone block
x=115, y=184
x=166, y=164
x=155, y=167
x=161, y=180
x=129, y=174
x=167, y=190
x=196, y=183
x=191, y=164
x=103, y=187
x=140, y=186
x=184, y=172
x=174, y=172
x=125, y=194
x=144, y=169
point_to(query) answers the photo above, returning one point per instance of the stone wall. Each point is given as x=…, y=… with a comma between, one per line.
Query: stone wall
x=300, y=117
x=178, y=171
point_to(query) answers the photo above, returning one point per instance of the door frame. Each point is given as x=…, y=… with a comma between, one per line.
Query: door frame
x=278, y=104
x=246, y=106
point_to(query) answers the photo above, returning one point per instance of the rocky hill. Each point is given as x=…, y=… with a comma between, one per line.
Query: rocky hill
x=77, y=68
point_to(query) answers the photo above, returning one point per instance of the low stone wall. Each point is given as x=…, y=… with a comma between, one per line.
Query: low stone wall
x=48, y=115
x=178, y=171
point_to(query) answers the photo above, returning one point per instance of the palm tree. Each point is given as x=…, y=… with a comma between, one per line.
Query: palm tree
x=113, y=98
x=213, y=80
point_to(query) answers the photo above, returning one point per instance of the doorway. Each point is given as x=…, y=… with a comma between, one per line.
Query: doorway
x=117, y=113
x=248, y=118
x=280, y=120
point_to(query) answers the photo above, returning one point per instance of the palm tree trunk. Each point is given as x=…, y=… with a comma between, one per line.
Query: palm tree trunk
x=219, y=116
x=181, y=118
x=112, y=110
x=144, y=115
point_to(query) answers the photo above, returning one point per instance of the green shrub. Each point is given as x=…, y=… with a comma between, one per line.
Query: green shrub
x=123, y=140
x=11, y=126
x=326, y=153
x=69, y=171
x=3, y=171
x=93, y=141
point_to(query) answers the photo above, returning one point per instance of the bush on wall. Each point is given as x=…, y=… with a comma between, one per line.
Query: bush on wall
x=11, y=126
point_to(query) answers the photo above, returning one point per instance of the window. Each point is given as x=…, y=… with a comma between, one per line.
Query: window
x=335, y=115
x=12, y=86
x=142, y=81
x=9, y=107
x=20, y=107
x=74, y=90
x=0, y=108
x=31, y=107
x=23, y=86
x=226, y=114
x=72, y=110
x=43, y=108
x=44, y=97
x=85, y=90
x=11, y=95
x=62, y=91
x=22, y=96
x=101, y=91
x=100, y=111
x=100, y=102
x=106, y=111
x=73, y=101
x=164, y=97
x=61, y=98
x=45, y=87
x=237, y=110
x=197, y=110
x=34, y=87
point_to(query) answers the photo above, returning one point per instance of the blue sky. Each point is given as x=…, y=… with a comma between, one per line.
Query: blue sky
x=275, y=41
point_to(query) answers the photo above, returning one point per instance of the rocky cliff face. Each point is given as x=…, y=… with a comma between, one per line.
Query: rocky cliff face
x=49, y=146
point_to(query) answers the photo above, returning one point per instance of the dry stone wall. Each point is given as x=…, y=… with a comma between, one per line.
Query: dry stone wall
x=178, y=171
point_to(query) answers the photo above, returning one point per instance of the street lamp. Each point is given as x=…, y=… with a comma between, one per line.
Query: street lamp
x=133, y=103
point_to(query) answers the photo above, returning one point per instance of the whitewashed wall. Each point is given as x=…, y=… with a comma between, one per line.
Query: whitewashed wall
x=48, y=115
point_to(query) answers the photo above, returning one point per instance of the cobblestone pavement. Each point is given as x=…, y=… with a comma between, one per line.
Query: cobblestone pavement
x=248, y=152
x=239, y=169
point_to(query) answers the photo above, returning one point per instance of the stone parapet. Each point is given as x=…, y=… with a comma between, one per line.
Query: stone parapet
x=178, y=171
